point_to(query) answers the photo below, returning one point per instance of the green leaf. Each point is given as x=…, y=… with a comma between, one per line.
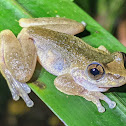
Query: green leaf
x=72, y=110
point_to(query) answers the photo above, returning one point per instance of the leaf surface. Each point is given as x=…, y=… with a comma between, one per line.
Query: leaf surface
x=72, y=110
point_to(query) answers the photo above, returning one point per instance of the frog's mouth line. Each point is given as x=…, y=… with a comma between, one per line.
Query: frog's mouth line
x=118, y=81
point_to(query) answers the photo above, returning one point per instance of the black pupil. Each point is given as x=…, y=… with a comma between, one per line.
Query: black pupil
x=94, y=71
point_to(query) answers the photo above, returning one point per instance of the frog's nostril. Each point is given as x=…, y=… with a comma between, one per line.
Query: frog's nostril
x=124, y=58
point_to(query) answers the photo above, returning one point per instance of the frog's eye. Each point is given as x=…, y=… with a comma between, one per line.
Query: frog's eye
x=95, y=71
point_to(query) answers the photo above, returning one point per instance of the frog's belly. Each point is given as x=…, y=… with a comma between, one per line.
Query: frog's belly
x=54, y=61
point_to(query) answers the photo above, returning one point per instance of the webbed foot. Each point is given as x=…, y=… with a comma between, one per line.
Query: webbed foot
x=18, y=89
x=95, y=97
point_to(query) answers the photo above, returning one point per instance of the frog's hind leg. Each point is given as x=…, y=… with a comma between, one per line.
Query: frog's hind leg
x=63, y=25
x=15, y=65
x=66, y=84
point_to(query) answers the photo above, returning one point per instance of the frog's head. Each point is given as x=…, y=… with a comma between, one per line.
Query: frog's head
x=98, y=76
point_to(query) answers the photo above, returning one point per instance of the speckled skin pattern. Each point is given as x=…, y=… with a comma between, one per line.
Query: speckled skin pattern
x=61, y=54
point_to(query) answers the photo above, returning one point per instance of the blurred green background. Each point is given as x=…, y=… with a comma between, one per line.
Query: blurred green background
x=111, y=14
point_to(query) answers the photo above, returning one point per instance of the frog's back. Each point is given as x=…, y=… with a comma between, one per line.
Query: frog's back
x=57, y=51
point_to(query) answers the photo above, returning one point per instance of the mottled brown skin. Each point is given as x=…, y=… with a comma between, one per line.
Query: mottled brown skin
x=64, y=55
x=71, y=44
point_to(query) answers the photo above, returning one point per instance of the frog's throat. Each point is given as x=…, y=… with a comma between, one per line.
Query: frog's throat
x=88, y=85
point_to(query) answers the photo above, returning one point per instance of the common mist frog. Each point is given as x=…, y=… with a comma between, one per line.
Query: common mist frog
x=80, y=69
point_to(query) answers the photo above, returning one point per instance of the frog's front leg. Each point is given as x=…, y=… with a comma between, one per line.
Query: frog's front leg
x=67, y=85
x=17, y=63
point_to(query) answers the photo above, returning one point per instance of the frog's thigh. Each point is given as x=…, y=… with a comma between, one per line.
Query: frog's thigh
x=56, y=24
x=19, y=55
x=101, y=47
x=29, y=53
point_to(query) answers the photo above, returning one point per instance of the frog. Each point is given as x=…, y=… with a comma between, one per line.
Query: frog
x=81, y=69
